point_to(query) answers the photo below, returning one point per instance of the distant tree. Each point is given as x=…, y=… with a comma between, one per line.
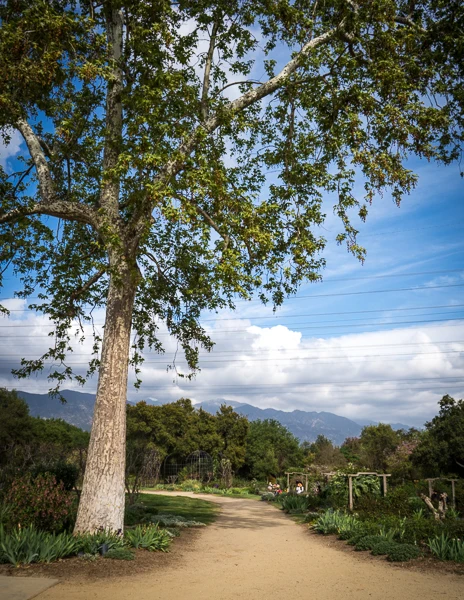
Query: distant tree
x=271, y=448
x=326, y=454
x=351, y=450
x=377, y=443
x=16, y=425
x=441, y=447
x=233, y=430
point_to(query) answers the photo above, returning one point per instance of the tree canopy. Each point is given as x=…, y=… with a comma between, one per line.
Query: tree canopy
x=153, y=131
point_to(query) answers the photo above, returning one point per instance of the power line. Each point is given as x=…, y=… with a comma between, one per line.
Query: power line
x=417, y=288
x=318, y=348
x=89, y=324
x=345, y=359
x=214, y=332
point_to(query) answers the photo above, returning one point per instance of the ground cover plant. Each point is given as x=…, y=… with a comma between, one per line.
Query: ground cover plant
x=194, y=509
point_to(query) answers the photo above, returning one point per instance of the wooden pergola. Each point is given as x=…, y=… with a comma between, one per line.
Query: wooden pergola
x=350, y=483
x=430, y=481
x=302, y=476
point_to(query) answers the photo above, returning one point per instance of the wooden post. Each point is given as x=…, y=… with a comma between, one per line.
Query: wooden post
x=384, y=477
x=306, y=483
x=350, y=490
x=453, y=494
x=430, y=487
x=288, y=482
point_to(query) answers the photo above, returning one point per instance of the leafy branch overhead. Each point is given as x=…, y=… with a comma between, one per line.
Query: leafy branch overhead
x=189, y=146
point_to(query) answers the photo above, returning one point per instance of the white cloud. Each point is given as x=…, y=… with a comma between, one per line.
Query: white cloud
x=11, y=149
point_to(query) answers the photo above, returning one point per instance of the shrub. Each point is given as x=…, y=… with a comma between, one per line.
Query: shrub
x=383, y=547
x=420, y=530
x=40, y=502
x=120, y=554
x=96, y=543
x=267, y=497
x=368, y=542
x=28, y=545
x=446, y=548
x=148, y=537
x=403, y=553
x=63, y=471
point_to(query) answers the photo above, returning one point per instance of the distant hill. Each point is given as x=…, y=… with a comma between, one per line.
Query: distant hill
x=306, y=426
x=78, y=409
x=394, y=426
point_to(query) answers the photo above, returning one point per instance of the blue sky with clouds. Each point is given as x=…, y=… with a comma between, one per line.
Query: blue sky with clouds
x=381, y=341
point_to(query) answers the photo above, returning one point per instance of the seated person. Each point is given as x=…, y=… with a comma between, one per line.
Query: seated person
x=299, y=487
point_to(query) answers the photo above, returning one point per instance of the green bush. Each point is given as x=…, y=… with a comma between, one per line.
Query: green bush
x=446, y=548
x=120, y=554
x=403, y=553
x=148, y=537
x=383, y=547
x=368, y=542
x=41, y=502
x=28, y=545
x=420, y=530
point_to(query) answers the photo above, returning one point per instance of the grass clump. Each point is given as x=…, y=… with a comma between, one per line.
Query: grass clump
x=403, y=553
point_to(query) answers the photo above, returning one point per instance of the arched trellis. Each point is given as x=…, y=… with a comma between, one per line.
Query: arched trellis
x=197, y=465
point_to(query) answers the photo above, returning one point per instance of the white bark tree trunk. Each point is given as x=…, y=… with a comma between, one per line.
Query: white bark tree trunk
x=101, y=504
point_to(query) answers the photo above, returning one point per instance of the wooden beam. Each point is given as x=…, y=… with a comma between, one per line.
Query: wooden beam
x=350, y=490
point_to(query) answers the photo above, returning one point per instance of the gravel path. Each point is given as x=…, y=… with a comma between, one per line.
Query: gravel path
x=253, y=552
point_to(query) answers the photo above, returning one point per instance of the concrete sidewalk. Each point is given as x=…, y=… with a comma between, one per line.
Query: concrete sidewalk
x=23, y=588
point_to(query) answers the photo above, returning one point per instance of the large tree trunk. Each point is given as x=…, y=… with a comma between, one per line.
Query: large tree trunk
x=102, y=500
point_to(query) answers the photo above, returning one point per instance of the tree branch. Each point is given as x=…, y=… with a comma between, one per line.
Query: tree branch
x=49, y=204
x=207, y=74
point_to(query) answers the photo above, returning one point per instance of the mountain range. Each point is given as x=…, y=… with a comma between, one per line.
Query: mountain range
x=305, y=425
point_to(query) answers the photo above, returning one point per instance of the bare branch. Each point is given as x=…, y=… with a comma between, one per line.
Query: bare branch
x=410, y=23
x=247, y=99
x=70, y=211
x=211, y=222
x=89, y=283
x=47, y=190
x=207, y=74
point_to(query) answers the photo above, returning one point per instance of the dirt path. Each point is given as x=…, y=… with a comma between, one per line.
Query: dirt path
x=255, y=552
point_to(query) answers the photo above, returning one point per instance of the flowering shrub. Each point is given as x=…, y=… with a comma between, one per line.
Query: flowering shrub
x=39, y=501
